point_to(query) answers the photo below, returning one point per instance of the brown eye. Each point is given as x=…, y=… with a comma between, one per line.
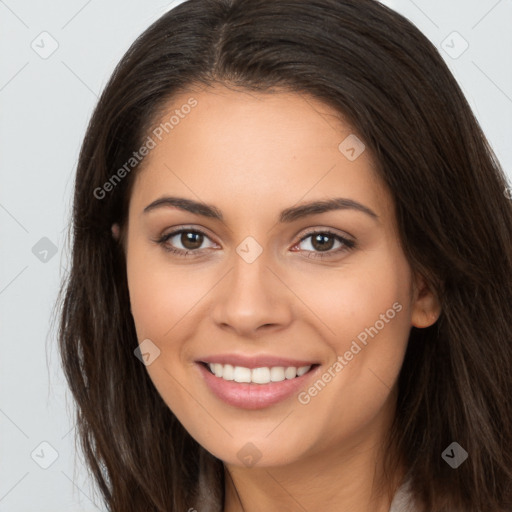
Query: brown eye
x=324, y=242
x=190, y=240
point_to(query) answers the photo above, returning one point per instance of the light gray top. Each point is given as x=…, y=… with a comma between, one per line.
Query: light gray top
x=402, y=501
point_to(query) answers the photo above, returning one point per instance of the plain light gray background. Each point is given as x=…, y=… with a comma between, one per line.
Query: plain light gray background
x=46, y=101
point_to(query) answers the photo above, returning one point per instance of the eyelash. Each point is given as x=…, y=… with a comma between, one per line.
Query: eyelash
x=348, y=244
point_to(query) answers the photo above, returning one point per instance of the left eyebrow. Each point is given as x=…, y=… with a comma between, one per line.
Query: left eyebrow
x=316, y=207
x=288, y=215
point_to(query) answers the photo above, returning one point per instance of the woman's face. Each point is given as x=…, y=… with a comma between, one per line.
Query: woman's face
x=258, y=288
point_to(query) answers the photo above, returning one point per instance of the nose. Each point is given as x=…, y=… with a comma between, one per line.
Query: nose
x=251, y=298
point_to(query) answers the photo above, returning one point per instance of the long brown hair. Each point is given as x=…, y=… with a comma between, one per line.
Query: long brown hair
x=389, y=82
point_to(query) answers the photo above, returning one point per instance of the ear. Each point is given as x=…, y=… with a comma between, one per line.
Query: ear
x=425, y=308
x=115, y=231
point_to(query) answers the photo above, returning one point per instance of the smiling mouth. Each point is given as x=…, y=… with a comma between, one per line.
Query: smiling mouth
x=262, y=375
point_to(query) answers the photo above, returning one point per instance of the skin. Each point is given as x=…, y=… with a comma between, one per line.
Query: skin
x=253, y=155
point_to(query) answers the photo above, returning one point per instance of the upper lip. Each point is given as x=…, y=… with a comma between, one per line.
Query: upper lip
x=258, y=361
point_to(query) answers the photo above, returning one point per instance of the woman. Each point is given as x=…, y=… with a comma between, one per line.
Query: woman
x=291, y=270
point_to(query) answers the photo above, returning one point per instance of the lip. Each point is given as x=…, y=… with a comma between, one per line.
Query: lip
x=254, y=396
x=258, y=361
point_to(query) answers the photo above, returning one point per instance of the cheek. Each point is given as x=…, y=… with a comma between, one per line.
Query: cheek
x=372, y=294
x=366, y=311
x=161, y=295
x=162, y=301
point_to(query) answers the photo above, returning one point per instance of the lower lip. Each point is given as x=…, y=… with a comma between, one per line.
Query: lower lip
x=253, y=396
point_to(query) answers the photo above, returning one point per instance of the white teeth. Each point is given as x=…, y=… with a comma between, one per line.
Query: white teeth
x=290, y=372
x=227, y=372
x=302, y=370
x=217, y=369
x=262, y=375
x=242, y=374
x=277, y=374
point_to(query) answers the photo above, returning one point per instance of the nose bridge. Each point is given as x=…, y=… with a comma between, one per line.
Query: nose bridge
x=250, y=286
x=251, y=295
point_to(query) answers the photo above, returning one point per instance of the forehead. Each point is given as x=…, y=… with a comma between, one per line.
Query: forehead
x=265, y=149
